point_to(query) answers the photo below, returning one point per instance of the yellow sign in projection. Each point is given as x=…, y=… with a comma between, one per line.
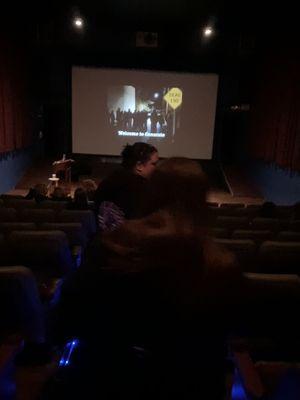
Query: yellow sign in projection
x=174, y=97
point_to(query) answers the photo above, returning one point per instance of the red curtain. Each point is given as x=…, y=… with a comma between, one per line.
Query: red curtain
x=275, y=111
x=15, y=132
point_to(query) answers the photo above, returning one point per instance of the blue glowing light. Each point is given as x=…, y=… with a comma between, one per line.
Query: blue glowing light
x=68, y=350
x=238, y=392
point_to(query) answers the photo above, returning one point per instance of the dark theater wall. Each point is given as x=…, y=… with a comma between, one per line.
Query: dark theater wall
x=14, y=164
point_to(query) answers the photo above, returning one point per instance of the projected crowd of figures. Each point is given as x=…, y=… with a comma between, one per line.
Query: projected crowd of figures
x=135, y=111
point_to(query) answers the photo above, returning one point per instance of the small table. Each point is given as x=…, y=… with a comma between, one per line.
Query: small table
x=54, y=181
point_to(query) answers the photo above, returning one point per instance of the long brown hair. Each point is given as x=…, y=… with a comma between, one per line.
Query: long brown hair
x=179, y=186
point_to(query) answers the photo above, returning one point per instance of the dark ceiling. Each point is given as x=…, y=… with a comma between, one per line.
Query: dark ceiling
x=242, y=29
x=252, y=17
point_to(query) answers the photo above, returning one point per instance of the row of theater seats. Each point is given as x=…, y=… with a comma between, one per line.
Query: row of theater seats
x=48, y=241
x=269, y=257
x=266, y=349
x=264, y=245
x=232, y=223
x=41, y=216
x=257, y=235
x=74, y=231
x=252, y=211
x=266, y=345
x=249, y=206
x=19, y=203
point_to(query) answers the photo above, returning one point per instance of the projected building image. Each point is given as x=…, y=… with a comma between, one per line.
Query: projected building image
x=135, y=111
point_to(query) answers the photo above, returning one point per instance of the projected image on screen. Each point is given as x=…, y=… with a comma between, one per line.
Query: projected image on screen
x=175, y=112
x=147, y=113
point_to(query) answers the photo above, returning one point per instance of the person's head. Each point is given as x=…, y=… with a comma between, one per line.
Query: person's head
x=180, y=186
x=80, y=197
x=141, y=158
x=58, y=193
x=90, y=187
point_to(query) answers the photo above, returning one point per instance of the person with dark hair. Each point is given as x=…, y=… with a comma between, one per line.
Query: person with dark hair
x=122, y=195
x=80, y=201
x=38, y=193
x=59, y=194
x=90, y=186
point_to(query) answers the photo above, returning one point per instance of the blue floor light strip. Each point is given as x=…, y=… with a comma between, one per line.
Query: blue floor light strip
x=68, y=350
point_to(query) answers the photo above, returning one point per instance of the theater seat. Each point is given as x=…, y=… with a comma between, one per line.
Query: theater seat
x=284, y=212
x=37, y=216
x=258, y=236
x=52, y=205
x=73, y=230
x=232, y=205
x=270, y=306
x=8, y=227
x=5, y=197
x=270, y=224
x=19, y=203
x=244, y=250
x=288, y=236
x=212, y=204
x=220, y=233
x=8, y=214
x=232, y=223
x=294, y=226
x=4, y=251
x=245, y=212
x=279, y=257
x=47, y=253
x=254, y=206
x=85, y=217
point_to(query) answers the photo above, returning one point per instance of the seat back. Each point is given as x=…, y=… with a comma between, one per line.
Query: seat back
x=4, y=251
x=258, y=236
x=294, y=226
x=244, y=250
x=232, y=205
x=8, y=214
x=37, y=216
x=254, y=206
x=85, y=217
x=288, y=236
x=280, y=257
x=47, y=253
x=232, y=223
x=19, y=204
x=212, y=204
x=284, y=212
x=8, y=227
x=52, y=205
x=221, y=233
x=270, y=224
x=11, y=196
x=73, y=230
x=245, y=212
x=271, y=303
